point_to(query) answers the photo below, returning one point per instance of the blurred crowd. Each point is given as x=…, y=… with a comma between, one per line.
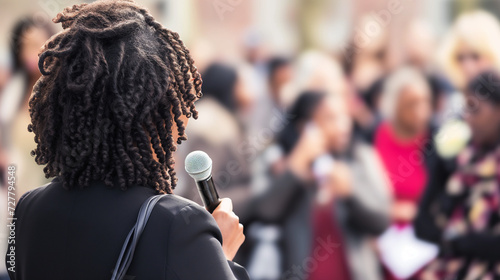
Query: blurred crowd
x=370, y=162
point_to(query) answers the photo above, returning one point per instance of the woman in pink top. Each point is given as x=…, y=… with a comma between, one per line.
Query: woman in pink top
x=403, y=138
x=403, y=161
x=403, y=141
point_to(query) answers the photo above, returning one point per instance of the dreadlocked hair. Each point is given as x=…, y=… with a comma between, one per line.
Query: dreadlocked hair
x=115, y=83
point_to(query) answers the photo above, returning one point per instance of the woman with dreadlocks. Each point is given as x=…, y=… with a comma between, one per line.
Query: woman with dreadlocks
x=113, y=101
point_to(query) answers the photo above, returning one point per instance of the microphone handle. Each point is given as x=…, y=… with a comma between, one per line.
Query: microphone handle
x=208, y=194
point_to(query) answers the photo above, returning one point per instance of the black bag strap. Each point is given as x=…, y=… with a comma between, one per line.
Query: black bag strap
x=130, y=243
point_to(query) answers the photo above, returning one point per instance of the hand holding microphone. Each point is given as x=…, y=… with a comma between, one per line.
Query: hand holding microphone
x=230, y=227
x=199, y=166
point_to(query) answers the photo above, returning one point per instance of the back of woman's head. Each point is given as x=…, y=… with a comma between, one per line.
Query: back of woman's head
x=115, y=83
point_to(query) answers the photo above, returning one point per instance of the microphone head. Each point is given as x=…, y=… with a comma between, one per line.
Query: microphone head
x=198, y=165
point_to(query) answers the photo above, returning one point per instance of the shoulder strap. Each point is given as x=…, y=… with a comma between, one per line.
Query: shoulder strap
x=130, y=243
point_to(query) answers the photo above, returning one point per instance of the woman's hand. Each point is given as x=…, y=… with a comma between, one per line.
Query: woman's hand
x=340, y=180
x=230, y=227
x=311, y=144
x=404, y=211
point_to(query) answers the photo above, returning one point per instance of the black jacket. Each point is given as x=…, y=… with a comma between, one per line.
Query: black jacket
x=78, y=234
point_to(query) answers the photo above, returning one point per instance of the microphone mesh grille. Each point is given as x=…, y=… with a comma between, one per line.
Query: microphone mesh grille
x=198, y=165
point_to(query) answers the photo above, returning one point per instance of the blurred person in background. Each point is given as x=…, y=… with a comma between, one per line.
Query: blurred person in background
x=403, y=141
x=419, y=46
x=219, y=134
x=314, y=70
x=249, y=88
x=251, y=67
x=365, y=64
x=279, y=74
x=365, y=109
x=365, y=60
x=270, y=118
x=28, y=36
x=331, y=197
x=471, y=47
x=467, y=211
x=406, y=105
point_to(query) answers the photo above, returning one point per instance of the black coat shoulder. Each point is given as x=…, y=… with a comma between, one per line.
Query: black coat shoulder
x=61, y=233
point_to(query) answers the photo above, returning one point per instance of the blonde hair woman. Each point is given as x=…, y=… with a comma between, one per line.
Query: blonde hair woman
x=472, y=46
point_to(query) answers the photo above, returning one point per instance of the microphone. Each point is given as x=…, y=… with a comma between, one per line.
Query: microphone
x=199, y=166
